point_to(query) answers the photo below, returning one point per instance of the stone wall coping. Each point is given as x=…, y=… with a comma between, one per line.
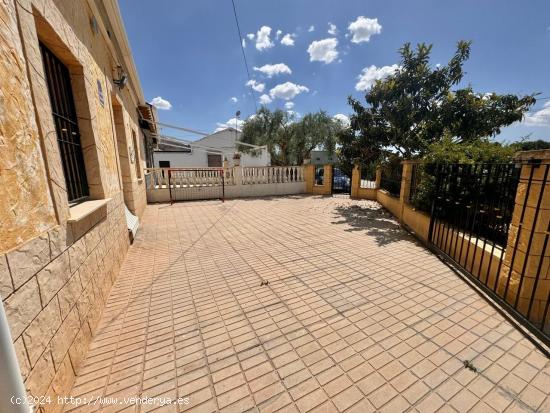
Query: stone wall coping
x=82, y=210
x=542, y=154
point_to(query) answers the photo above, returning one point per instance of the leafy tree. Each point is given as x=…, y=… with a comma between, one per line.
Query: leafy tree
x=532, y=145
x=416, y=107
x=290, y=141
x=272, y=129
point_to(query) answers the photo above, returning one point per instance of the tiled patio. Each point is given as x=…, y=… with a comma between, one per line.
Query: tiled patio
x=356, y=317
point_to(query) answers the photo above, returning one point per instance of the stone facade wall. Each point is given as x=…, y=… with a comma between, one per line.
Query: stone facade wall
x=54, y=288
x=56, y=269
x=27, y=209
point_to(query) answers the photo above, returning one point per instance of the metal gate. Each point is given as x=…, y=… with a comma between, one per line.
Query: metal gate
x=341, y=183
x=471, y=216
x=187, y=184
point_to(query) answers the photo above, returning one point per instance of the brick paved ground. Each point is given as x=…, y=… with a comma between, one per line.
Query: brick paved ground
x=356, y=317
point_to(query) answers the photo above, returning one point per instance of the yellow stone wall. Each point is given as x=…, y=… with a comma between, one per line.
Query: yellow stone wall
x=309, y=177
x=26, y=208
x=527, y=261
x=56, y=271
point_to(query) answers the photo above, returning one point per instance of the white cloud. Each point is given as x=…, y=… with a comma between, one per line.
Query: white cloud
x=540, y=117
x=288, y=39
x=287, y=91
x=311, y=28
x=369, y=75
x=234, y=99
x=265, y=99
x=258, y=87
x=278, y=34
x=332, y=29
x=161, y=104
x=271, y=70
x=243, y=42
x=363, y=28
x=262, y=38
x=323, y=50
x=251, y=36
x=231, y=123
x=289, y=105
x=343, y=119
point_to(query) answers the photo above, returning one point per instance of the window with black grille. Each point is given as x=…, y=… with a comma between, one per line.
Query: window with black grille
x=66, y=125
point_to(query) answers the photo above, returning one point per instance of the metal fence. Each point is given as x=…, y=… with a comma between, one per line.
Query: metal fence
x=368, y=176
x=477, y=199
x=187, y=184
x=391, y=179
x=471, y=216
x=416, y=175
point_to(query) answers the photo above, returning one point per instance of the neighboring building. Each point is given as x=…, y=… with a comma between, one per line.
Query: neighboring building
x=209, y=151
x=322, y=158
x=71, y=157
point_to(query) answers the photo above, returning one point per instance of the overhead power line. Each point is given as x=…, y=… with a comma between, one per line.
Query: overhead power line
x=244, y=54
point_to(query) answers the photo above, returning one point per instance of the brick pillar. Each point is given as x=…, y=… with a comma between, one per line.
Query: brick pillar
x=327, y=182
x=355, y=181
x=406, y=177
x=526, y=264
x=378, y=177
x=309, y=177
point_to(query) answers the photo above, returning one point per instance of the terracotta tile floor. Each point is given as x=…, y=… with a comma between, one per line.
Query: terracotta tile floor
x=356, y=317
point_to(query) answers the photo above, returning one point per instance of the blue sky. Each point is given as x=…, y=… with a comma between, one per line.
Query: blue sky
x=188, y=53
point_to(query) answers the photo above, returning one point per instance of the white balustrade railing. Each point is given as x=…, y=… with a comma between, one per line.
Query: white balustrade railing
x=162, y=184
x=157, y=178
x=272, y=174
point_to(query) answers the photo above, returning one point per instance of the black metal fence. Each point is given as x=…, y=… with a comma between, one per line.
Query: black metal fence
x=471, y=216
x=391, y=179
x=477, y=199
x=416, y=174
x=368, y=176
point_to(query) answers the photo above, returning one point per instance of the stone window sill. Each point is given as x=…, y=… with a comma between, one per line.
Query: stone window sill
x=84, y=209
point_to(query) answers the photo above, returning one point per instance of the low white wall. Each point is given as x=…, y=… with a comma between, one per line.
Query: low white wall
x=246, y=191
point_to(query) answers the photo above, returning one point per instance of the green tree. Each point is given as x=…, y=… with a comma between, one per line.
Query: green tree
x=532, y=145
x=415, y=107
x=314, y=130
x=290, y=141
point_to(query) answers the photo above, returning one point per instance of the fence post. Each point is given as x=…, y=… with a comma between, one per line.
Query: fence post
x=309, y=177
x=524, y=279
x=355, y=181
x=378, y=177
x=327, y=181
x=406, y=173
x=238, y=175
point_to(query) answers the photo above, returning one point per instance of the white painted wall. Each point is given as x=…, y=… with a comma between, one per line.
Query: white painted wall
x=195, y=159
x=223, y=140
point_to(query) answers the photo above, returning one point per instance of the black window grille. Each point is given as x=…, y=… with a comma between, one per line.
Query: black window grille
x=66, y=125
